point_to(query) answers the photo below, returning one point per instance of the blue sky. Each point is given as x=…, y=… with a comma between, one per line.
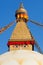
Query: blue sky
x=7, y=15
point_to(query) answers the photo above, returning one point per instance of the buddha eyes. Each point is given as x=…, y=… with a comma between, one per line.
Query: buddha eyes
x=21, y=46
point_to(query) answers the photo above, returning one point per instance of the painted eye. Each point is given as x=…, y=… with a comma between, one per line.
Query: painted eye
x=16, y=46
x=24, y=45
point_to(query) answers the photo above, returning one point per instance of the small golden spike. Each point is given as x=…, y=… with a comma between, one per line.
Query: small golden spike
x=21, y=5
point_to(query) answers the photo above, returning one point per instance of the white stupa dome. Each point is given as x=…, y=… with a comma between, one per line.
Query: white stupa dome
x=21, y=57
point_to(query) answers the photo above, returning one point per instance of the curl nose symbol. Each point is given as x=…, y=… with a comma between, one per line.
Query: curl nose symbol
x=20, y=48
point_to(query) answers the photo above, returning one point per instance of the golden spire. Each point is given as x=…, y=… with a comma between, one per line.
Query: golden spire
x=21, y=13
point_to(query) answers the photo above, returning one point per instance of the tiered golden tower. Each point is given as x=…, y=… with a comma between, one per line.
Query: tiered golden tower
x=21, y=37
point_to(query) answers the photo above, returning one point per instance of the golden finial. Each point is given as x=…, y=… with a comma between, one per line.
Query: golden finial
x=21, y=13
